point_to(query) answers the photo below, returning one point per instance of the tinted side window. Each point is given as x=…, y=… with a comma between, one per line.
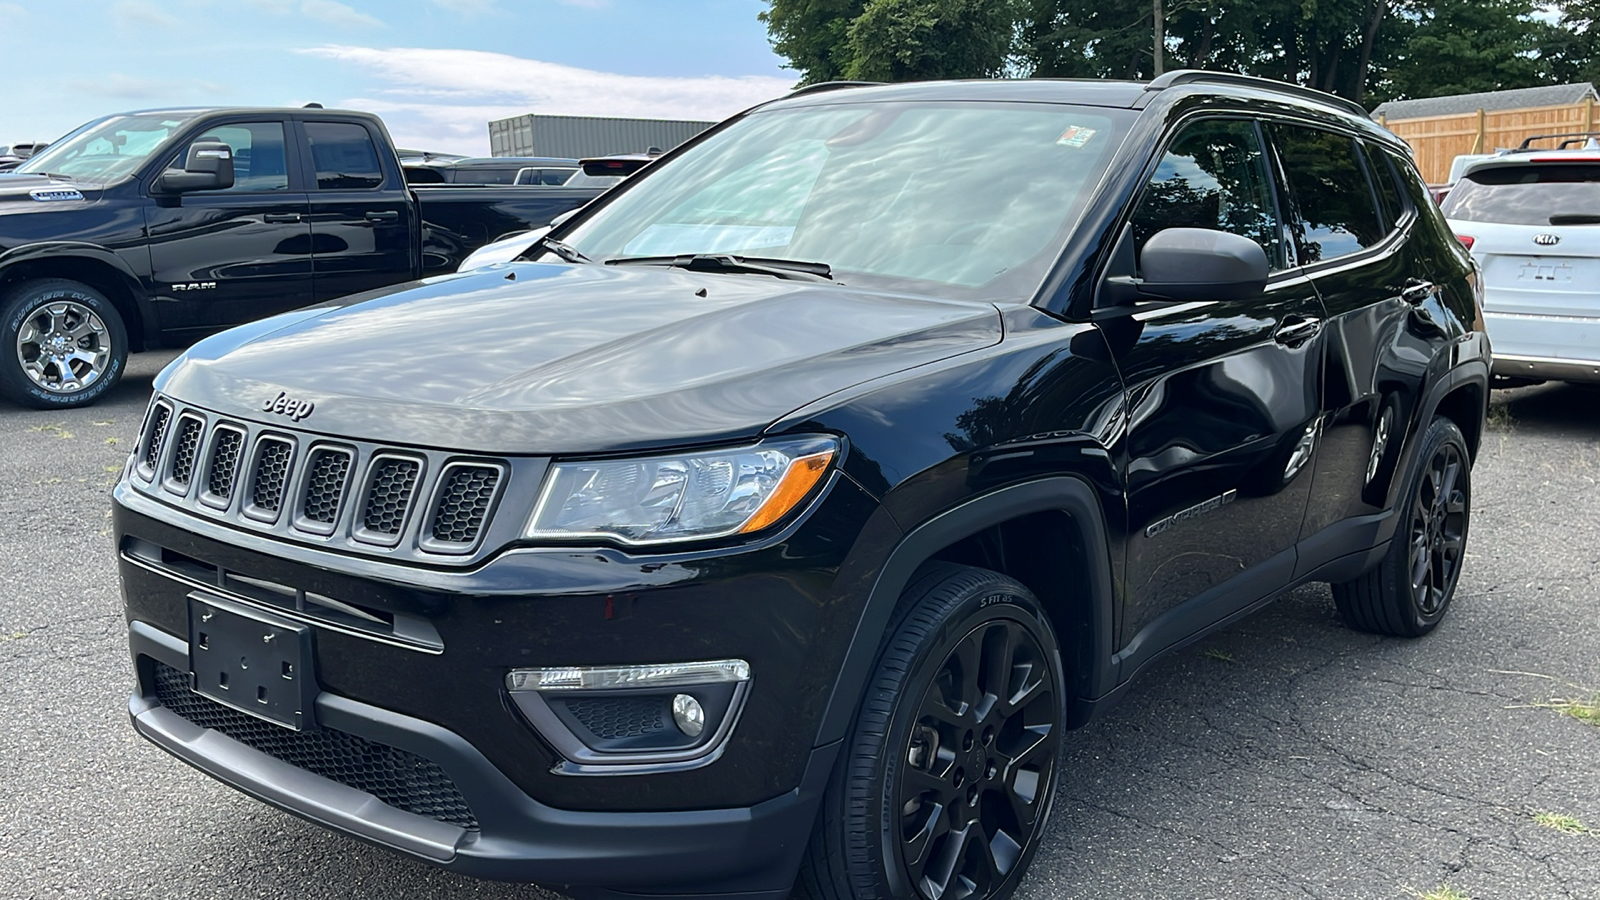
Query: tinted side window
x=259, y=163
x=1333, y=201
x=1213, y=175
x=1383, y=176
x=344, y=156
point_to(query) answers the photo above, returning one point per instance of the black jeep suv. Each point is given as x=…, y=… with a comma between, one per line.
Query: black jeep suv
x=780, y=515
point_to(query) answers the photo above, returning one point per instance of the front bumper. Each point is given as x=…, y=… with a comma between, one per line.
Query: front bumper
x=751, y=851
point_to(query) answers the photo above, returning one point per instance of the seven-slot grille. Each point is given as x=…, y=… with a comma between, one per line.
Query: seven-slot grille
x=362, y=493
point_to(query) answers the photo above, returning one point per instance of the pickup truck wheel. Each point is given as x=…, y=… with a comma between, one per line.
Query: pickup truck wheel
x=1407, y=594
x=62, y=344
x=947, y=779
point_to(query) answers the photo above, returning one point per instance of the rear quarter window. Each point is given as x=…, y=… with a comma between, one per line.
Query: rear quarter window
x=1525, y=195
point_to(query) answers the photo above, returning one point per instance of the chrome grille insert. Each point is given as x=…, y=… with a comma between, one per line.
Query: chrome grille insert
x=327, y=474
x=391, y=481
x=269, y=477
x=461, y=506
x=223, y=471
x=185, y=450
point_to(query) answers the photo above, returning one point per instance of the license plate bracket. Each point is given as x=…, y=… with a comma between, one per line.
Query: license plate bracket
x=252, y=661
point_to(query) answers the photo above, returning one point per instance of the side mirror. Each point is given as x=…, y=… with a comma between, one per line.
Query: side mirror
x=208, y=167
x=1194, y=264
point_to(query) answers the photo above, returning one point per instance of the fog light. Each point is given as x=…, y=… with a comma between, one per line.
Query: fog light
x=687, y=713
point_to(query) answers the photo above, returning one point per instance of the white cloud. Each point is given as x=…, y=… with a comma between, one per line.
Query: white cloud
x=444, y=99
x=12, y=11
x=331, y=12
x=138, y=12
x=587, y=4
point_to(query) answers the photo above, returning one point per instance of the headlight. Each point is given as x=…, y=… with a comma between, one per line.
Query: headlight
x=662, y=499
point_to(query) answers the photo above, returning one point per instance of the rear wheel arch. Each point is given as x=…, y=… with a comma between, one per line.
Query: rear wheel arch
x=1003, y=531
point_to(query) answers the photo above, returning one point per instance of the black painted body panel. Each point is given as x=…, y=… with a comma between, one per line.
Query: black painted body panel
x=191, y=265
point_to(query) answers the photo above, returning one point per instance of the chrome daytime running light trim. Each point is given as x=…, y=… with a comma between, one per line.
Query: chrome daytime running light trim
x=600, y=678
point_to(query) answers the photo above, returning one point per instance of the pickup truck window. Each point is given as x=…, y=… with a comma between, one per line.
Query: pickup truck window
x=965, y=199
x=106, y=150
x=259, y=164
x=344, y=155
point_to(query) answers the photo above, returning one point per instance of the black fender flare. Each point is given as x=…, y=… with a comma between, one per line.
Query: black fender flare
x=54, y=250
x=1067, y=494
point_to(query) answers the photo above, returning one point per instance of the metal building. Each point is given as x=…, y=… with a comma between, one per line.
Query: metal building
x=581, y=136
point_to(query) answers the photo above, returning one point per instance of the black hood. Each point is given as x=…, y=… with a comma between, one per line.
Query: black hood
x=573, y=359
x=16, y=188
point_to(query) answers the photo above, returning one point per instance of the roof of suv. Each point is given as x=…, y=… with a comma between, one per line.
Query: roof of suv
x=1090, y=92
x=1586, y=151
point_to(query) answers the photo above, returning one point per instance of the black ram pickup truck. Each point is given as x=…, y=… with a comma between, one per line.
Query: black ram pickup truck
x=157, y=228
x=783, y=511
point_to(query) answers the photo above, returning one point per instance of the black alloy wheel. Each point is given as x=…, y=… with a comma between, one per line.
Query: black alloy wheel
x=1409, y=591
x=1438, y=529
x=946, y=783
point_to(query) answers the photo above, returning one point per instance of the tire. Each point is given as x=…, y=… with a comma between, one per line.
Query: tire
x=62, y=344
x=1409, y=591
x=922, y=792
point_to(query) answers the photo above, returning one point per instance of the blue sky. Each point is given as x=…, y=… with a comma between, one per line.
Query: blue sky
x=436, y=70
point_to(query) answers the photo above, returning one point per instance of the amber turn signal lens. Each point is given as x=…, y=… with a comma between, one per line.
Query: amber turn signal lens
x=803, y=475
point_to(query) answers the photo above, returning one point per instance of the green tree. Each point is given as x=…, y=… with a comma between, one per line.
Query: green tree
x=1466, y=46
x=813, y=35
x=908, y=40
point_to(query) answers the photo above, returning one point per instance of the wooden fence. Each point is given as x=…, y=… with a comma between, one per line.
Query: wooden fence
x=1438, y=140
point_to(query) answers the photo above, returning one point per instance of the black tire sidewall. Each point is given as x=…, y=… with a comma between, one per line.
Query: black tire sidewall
x=995, y=598
x=21, y=302
x=1441, y=431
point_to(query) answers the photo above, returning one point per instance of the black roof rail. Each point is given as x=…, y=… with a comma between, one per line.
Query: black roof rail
x=1200, y=76
x=823, y=86
x=1573, y=137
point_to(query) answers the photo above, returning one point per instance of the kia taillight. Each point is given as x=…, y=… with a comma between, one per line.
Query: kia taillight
x=1466, y=241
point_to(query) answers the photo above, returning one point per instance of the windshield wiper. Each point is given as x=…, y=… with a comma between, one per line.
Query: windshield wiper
x=791, y=269
x=566, y=251
x=1575, y=219
x=54, y=175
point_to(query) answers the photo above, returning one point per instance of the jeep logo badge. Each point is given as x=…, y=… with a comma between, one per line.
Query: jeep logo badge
x=284, y=405
x=1547, y=240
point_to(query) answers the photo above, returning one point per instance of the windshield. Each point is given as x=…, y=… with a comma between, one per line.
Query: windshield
x=966, y=199
x=106, y=150
x=1525, y=195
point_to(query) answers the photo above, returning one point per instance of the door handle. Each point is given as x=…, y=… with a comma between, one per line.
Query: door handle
x=281, y=218
x=387, y=215
x=1297, y=330
x=1417, y=292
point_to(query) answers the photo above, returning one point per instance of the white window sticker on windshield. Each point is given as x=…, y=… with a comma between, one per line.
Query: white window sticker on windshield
x=1076, y=136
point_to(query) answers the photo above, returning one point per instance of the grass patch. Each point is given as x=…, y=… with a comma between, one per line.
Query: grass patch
x=1442, y=892
x=1218, y=655
x=1500, y=418
x=1562, y=823
x=1586, y=711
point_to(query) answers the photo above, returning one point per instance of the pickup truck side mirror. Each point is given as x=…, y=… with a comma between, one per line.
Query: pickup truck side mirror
x=208, y=167
x=1193, y=264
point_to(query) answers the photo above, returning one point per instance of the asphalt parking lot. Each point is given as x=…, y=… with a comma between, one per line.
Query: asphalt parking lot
x=1286, y=757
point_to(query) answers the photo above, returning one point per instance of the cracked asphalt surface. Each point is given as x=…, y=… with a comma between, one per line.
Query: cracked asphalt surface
x=1285, y=757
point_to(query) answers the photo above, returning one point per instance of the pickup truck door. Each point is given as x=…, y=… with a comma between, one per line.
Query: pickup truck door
x=363, y=221
x=221, y=258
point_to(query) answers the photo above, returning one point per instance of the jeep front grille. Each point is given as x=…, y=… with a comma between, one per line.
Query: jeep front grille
x=224, y=467
x=350, y=495
x=184, y=451
x=465, y=493
x=328, y=471
x=271, y=475
x=389, y=489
